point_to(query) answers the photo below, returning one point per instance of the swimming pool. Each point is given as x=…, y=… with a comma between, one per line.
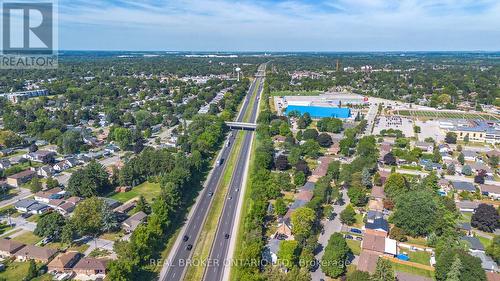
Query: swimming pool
x=320, y=112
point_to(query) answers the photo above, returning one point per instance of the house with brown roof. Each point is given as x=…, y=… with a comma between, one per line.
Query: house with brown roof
x=64, y=262
x=31, y=252
x=21, y=178
x=368, y=261
x=9, y=247
x=492, y=191
x=91, y=267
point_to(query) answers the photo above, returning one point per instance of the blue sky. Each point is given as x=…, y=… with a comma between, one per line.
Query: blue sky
x=275, y=25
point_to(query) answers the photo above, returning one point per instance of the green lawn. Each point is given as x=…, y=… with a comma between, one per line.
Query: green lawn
x=420, y=257
x=417, y=241
x=27, y=237
x=15, y=271
x=354, y=245
x=413, y=270
x=148, y=189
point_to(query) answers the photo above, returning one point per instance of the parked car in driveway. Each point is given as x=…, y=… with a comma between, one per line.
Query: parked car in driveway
x=355, y=230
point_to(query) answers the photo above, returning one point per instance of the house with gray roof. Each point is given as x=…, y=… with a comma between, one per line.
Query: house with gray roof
x=463, y=186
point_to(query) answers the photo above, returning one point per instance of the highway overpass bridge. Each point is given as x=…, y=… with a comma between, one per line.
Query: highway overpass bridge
x=242, y=126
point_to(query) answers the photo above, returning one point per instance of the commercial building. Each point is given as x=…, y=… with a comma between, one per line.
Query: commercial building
x=475, y=130
x=16, y=97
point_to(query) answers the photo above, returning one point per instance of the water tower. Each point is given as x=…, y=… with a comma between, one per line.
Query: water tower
x=238, y=70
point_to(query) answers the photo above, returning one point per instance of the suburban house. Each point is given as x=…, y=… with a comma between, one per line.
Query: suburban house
x=372, y=247
x=130, y=224
x=42, y=156
x=492, y=191
x=368, y=261
x=45, y=171
x=270, y=254
x=64, y=262
x=477, y=167
x=51, y=194
x=463, y=186
x=476, y=249
x=17, y=180
x=284, y=230
x=30, y=206
x=4, y=164
x=467, y=206
x=470, y=155
x=378, y=226
x=426, y=147
x=35, y=253
x=9, y=247
x=92, y=267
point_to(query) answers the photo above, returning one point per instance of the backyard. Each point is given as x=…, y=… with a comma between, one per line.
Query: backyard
x=147, y=189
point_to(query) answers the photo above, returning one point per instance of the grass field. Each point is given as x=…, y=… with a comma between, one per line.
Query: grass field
x=354, y=245
x=420, y=257
x=207, y=235
x=445, y=115
x=27, y=237
x=148, y=189
x=413, y=270
x=295, y=93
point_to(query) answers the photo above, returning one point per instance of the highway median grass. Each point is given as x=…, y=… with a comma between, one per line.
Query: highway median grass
x=205, y=240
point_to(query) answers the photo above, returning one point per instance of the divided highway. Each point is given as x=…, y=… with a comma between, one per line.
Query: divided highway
x=178, y=261
x=220, y=247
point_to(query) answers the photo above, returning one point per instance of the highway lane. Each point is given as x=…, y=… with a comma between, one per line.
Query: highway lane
x=176, y=264
x=214, y=270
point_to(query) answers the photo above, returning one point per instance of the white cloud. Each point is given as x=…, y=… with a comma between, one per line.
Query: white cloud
x=295, y=25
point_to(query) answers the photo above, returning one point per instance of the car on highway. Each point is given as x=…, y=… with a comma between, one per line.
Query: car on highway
x=189, y=247
x=228, y=143
x=230, y=197
x=210, y=194
x=185, y=238
x=220, y=161
x=226, y=236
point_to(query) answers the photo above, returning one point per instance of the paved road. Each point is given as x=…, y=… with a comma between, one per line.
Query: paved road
x=329, y=227
x=175, y=265
x=23, y=193
x=219, y=252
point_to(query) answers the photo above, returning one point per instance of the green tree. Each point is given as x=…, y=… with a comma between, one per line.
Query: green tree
x=493, y=250
x=280, y=207
x=51, y=182
x=299, y=179
x=336, y=253
x=383, y=271
x=35, y=185
x=32, y=271
x=325, y=140
x=395, y=185
x=348, y=215
x=311, y=148
x=358, y=275
x=461, y=158
x=302, y=220
x=454, y=273
x=88, y=216
x=471, y=269
x=416, y=212
x=288, y=253
x=51, y=224
x=90, y=181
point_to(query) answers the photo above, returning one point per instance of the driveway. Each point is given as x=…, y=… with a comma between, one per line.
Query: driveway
x=330, y=227
x=99, y=244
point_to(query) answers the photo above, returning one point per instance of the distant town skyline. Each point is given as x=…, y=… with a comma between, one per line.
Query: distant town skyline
x=275, y=25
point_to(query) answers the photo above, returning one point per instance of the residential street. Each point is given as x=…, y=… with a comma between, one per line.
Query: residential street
x=329, y=227
x=23, y=193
